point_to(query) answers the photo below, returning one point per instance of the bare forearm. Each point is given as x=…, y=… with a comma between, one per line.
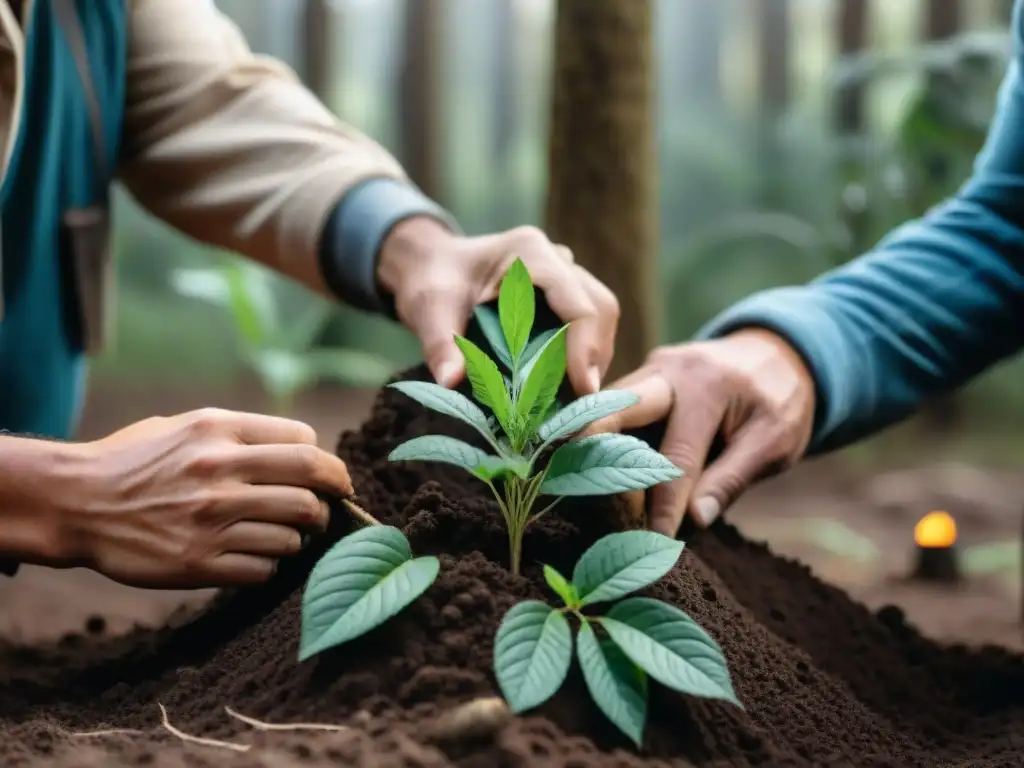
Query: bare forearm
x=37, y=479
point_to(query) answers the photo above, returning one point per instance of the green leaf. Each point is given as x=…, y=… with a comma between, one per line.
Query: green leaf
x=620, y=563
x=616, y=684
x=448, y=402
x=448, y=450
x=540, y=387
x=489, y=323
x=362, y=581
x=349, y=366
x=580, y=413
x=670, y=647
x=532, y=653
x=606, y=464
x=486, y=380
x=561, y=585
x=536, y=345
x=516, y=307
x=244, y=301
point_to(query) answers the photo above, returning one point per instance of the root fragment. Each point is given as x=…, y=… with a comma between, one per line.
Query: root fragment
x=475, y=719
x=198, y=739
x=260, y=725
x=359, y=513
x=106, y=732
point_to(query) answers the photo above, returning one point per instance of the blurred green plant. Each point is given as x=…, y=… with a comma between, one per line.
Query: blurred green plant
x=281, y=350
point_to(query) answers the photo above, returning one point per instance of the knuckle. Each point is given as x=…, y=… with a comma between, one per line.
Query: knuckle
x=311, y=511
x=207, y=421
x=529, y=237
x=305, y=434
x=207, y=465
x=683, y=455
x=307, y=460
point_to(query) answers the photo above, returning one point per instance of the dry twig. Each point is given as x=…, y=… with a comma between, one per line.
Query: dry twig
x=198, y=739
x=264, y=726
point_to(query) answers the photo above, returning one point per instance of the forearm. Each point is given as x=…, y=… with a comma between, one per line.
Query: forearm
x=37, y=477
x=232, y=150
x=935, y=304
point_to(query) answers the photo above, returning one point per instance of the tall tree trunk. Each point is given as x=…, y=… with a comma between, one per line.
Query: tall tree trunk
x=850, y=118
x=601, y=185
x=774, y=92
x=316, y=29
x=506, y=90
x=419, y=94
x=774, y=48
x=943, y=20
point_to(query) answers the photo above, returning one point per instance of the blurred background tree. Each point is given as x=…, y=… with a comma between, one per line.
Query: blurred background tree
x=790, y=135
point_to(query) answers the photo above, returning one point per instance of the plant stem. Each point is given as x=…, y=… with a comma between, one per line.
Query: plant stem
x=544, y=511
x=360, y=514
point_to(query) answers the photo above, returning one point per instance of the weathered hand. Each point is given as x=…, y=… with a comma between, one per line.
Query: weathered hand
x=437, y=280
x=750, y=388
x=204, y=499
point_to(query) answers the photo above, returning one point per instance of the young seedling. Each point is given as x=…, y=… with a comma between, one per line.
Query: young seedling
x=638, y=638
x=526, y=420
x=280, y=350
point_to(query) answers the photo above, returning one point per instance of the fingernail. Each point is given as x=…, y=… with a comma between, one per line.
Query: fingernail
x=706, y=510
x=448, y=373
x=305, y=541
x=594, y=377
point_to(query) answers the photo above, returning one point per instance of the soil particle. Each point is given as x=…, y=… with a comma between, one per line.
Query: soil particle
x=824, y=681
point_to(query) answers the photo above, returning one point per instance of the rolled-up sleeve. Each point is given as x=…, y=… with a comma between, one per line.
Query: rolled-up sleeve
x=934, y=304
x=229, y=148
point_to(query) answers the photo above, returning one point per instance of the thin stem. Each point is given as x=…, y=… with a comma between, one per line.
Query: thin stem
x=544, y=511
x=360, y=514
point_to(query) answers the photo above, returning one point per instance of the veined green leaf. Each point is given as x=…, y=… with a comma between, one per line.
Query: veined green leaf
x=584, y=411
x=362, y=581
x=561, y=585
x=536, y=345
x=621, y=563
x=486, y=380
x=670, y=647
x=532, y=653
x=540, y=387
x=489, y=323
x=616, y=684
x=606, y=464
x=448, y=402
x=516, y=307
x=448, y=450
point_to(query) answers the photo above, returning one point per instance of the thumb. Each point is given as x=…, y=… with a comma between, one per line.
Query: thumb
x=743, y=462
x=436, y=325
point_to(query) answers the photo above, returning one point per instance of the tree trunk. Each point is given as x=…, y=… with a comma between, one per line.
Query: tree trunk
x=601, y=186
x=774, y=47
x=944, y=414
x=316, y=47
x=853, y=40
x=419, y=93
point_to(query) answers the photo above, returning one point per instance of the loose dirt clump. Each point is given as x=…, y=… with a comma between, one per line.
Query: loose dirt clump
x=824, y=682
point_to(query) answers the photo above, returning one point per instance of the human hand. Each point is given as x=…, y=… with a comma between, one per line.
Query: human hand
x=208, y=498
x=438, y=278
x=751, y=389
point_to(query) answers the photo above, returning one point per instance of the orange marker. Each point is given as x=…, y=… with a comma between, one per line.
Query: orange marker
x=935, y=537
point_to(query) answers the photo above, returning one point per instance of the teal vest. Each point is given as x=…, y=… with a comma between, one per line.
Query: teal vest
x=42, y=371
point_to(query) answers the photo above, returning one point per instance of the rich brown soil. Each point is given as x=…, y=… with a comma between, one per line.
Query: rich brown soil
x=824, y=681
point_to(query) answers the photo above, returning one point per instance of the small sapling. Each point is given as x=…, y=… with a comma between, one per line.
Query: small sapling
x=618, y=651
x=526, y=420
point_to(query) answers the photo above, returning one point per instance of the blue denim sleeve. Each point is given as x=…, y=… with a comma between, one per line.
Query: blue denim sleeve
x=357, y=228
x=934, y=304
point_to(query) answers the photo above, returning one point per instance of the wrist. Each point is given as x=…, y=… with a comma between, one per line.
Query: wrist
x=407, y=248
x=40, y=491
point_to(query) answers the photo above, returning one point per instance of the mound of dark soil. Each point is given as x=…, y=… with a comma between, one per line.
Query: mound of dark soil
x=824, y=681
